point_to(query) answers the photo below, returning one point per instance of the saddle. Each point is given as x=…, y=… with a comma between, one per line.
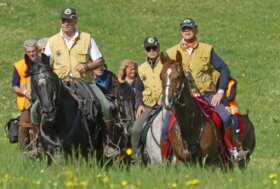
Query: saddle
x=84, y=95
x=148, y=123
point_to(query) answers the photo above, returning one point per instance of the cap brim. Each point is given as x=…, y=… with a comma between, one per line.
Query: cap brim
x=187, y=25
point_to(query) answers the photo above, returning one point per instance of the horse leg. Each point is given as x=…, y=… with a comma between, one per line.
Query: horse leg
x=178, y=147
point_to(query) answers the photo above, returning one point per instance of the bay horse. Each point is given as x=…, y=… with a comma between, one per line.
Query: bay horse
x=64, y=124
x=193, y=137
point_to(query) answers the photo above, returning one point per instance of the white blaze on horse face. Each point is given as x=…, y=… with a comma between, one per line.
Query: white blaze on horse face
x=42, y=82
x=168, y=83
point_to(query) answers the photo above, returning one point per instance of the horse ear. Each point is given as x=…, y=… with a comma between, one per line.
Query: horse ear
x=162, y=58
x=179, y=57
x=45, y=59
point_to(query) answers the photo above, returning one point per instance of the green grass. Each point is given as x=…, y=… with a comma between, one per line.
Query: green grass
x=244, y=33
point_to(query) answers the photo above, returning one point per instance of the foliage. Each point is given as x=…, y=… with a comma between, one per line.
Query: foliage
x=243, y=33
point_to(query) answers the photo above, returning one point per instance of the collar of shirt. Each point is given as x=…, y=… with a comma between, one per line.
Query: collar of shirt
x=70, y=43
x=189, y=49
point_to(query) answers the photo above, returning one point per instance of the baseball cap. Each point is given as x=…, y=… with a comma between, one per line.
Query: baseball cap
x=188, y=22
x=68, y=13
x=151, y=41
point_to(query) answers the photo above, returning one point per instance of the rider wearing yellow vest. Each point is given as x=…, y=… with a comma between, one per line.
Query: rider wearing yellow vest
x=203, y=63
x=75, y=53
x=21, y=86
x=149, y=73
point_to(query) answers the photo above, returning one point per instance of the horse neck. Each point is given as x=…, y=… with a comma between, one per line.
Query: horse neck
x=187, y=114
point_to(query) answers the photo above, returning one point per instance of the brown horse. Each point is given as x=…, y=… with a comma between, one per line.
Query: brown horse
x=195, y=138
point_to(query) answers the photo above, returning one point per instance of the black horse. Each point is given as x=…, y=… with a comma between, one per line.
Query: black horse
x=65, y=125
x=125, y=117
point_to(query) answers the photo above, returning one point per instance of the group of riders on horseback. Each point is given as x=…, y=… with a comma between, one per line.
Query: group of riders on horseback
x=75, y=54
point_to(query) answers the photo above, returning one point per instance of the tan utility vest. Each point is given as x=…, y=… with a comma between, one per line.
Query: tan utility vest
x=24, y=84
x=198, y=63
x=65, y=61
x=152, y=83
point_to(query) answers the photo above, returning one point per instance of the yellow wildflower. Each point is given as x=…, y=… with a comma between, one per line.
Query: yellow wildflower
x=273, y=175
x=70, y=184
x=275, y=182
x=37, y=182
x=84, y=183
x=174, y=185
x=193, y=181
x=105, y=179
x=124, y=182
x=129, y=151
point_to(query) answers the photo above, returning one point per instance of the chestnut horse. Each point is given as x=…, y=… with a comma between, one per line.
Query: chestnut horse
x=193, y=137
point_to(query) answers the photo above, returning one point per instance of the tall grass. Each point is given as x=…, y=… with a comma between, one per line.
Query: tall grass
x=244, y=33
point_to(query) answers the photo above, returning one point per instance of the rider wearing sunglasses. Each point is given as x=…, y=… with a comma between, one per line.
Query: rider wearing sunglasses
x=149, y=73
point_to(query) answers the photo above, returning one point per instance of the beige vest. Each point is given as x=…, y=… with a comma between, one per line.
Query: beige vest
x=65, y=61
x=152, y=83
x=198, y=63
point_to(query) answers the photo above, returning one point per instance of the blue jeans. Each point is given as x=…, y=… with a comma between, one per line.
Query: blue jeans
x=164, y=135
x=220, y=109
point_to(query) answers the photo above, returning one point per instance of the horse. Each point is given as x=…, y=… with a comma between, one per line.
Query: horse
x=125, y=118
x=194, y=138
x=124, y=115
x=65, y=125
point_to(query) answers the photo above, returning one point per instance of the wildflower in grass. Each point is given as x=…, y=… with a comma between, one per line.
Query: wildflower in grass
x=84, y=183
x=98, y=176
x=174, y=185
x=6, y=178
x=36, y=182
x=230, y=180
x=273, y=176
x=124, y=182
x=193, y=181
x=112, y=186
x=42, y=171
x=70, y=184
x=275, y=182
x=129, y=151
x=105, y=179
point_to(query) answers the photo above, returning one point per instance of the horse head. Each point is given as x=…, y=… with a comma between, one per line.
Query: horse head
x=45, y=85
x=173, y=79
x=126, y=100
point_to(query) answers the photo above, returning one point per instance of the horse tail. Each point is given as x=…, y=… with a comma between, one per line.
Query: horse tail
x=247, y=113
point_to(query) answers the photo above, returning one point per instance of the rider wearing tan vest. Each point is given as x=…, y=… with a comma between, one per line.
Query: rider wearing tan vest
x=203, y=63
x=66, y=60
x=149, y=73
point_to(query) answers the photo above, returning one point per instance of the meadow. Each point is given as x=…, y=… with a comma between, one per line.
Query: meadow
x=244, y=33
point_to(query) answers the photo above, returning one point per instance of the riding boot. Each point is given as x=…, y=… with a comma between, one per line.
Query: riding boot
x=23, y=138
x=164, y=144
x=110, y=151
x=237, y=152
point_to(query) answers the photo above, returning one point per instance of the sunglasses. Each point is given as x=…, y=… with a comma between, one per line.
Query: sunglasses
x=150, y=48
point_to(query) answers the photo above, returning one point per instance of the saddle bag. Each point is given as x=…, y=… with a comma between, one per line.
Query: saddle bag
x=11, y=128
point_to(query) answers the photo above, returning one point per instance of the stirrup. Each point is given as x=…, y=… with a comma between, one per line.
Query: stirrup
x=110, y=152
x=238, y=155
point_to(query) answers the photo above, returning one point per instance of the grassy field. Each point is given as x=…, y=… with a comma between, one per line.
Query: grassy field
x=244, y=33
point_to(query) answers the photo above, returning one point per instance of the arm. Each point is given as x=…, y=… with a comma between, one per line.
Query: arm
x=139, y=104
x=96, y=57
x=221, y=67
x=16, y=86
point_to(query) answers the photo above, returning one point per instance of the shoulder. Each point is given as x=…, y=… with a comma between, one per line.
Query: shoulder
x=205, y=45
x=85, y=34
x=19, y=63
x=173, y=48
